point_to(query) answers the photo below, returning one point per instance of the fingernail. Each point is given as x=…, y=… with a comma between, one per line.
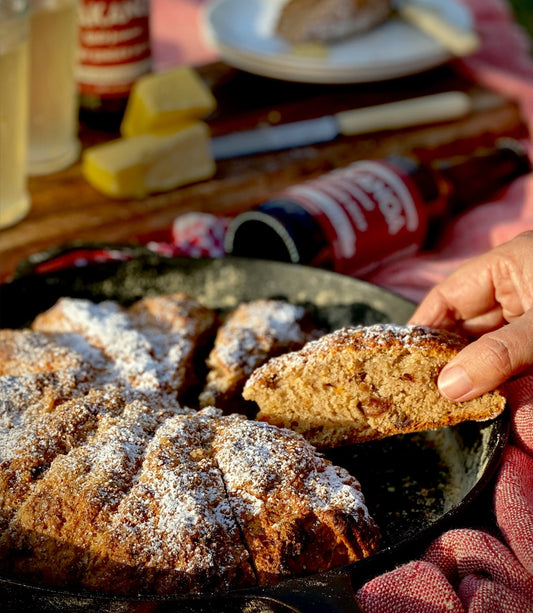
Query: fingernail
x=454, y=383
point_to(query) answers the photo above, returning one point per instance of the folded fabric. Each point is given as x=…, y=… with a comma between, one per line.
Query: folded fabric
x=405, y=590
x=462, y=571
x=513, y=491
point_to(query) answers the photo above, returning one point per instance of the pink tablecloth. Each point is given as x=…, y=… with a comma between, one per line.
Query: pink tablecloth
x=178, y=33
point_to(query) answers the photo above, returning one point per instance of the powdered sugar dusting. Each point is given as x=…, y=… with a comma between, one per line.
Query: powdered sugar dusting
x=251, y=334
x=107, y=326
x=22, y=398
x=255, y=328
x=259, y=460
x=384, y=333
x=94, y=443
x=24, y=351
x=177, y=515
x=384, y=337
x=146, y=353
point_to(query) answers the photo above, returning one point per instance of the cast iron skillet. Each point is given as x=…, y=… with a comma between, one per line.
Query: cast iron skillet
x=415, y=485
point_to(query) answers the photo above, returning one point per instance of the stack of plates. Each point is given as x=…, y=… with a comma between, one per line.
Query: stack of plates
x=242, y=32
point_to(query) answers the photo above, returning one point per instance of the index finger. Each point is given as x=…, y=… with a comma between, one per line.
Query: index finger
x=467, y=293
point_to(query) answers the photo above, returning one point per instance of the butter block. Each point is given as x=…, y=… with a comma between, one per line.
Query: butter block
x=135, y=167
x=166, y=100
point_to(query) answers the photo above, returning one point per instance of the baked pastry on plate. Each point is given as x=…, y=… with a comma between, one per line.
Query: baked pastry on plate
x=303, y=21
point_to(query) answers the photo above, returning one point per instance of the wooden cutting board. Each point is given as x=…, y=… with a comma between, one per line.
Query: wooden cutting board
x=66, y=208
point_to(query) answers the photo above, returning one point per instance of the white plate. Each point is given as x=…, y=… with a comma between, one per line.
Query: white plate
x=241, y=31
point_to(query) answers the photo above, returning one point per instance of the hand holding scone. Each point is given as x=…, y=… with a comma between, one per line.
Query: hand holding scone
x=489, y=297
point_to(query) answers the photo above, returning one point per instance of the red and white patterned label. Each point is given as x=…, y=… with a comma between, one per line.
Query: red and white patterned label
x=114, y=46
x=368, y=212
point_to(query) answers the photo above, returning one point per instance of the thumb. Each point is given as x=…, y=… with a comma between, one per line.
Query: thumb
x=489, y=361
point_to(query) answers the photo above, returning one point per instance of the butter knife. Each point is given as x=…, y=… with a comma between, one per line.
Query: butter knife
x=422, y=110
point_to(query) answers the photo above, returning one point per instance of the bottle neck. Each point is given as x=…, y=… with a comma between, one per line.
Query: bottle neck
x=451, y=185
x=476, y=178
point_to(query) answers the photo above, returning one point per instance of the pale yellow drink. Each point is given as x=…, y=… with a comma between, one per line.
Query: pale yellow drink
x=53, y=141
x=14, y=197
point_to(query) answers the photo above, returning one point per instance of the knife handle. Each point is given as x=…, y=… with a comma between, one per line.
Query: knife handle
x=394, y=115
x=456, y=40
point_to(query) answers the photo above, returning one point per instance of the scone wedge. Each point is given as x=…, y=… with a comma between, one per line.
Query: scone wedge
x=250, y=335
x=360, y=383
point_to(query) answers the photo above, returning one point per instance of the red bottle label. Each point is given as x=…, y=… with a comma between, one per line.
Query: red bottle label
x=368, y=211
x=114, y=46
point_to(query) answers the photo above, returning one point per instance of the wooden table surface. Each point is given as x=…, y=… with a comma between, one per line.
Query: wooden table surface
x=66, y=208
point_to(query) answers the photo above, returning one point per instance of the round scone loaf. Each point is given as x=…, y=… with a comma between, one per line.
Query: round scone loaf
x=109, y=481
x=302, y=21
x=363, y=383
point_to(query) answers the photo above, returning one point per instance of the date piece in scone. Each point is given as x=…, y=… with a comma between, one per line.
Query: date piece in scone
x=251, y=334
x=363, y=383
x=302, y=21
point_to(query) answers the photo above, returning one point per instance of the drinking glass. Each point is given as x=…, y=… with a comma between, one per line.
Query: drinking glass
x=53, y=127
x=14, y=196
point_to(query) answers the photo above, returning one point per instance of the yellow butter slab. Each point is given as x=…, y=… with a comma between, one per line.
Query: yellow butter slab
x=166, y=100
x=148, y=163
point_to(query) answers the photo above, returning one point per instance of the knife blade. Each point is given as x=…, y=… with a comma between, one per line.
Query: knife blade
x=422, y=110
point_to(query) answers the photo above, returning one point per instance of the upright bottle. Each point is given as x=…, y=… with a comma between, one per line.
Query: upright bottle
x=113, y=51
x=353, y=219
